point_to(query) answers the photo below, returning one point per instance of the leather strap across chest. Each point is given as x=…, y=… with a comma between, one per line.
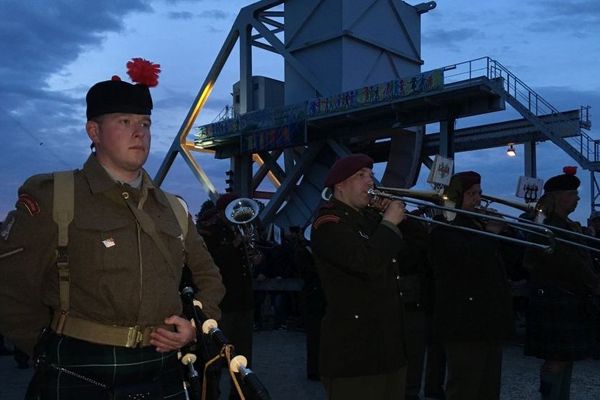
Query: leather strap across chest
x=65, y=324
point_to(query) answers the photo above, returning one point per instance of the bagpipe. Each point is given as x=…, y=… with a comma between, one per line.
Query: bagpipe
x=213, y=351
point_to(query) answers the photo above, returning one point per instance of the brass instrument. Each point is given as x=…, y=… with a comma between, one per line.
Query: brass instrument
x=537, y=213
x=525, y=207
x=527, y=227
x=532, y=208
x=242, y=212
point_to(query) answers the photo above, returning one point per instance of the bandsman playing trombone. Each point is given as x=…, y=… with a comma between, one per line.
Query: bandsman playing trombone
x=561, y=314
x=363, y=354
x=472, y=313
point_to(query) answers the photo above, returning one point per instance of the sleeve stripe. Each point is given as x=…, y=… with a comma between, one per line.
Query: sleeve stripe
x=324, y=219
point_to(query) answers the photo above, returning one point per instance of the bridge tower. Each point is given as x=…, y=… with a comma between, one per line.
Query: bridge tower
x=353, y=83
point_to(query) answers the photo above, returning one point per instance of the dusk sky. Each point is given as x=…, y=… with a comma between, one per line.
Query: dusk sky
x=53, y=51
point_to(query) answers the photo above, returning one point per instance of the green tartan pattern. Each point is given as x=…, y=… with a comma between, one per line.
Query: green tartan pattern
x=108, y=365
x=558, y=326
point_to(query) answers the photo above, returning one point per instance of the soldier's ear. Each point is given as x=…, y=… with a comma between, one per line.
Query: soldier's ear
x=93, y=130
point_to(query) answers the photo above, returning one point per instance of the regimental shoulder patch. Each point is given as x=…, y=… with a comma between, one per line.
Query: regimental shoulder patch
x=28, y=203
x=325, y=219
x=7, y=225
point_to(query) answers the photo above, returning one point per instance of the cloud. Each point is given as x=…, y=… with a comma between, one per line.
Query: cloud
x=579, y=18
x=39, y=39
x=42, y=128
x=451, y=38
x=214, y=14
x=183, y=15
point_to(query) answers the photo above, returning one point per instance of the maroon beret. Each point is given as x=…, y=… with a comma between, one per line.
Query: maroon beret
x=566, y=181
x=225, y=199
x=459, y=184
x=347, y=166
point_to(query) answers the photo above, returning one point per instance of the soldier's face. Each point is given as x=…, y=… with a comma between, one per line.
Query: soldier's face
x=566, y=201
x=472, y=198
x=122, y=141
x=354, y=190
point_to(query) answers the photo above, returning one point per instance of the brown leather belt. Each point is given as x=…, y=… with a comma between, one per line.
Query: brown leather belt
x=112, y=335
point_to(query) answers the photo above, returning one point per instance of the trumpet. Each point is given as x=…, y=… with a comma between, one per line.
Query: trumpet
x=526, y=227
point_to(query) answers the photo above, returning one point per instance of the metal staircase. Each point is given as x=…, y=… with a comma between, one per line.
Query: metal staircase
x=582, y=148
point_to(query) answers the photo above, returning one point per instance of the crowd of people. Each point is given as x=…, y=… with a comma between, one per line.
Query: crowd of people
x=92, y=261
x=401, y=291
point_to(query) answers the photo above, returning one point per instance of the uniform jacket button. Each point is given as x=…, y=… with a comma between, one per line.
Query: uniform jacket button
x=397, y=277
x=470, y=299
x=355, y=316
x=394, y=260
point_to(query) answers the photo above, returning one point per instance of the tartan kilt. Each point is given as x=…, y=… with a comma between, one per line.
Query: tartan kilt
x=109, y=365
x=560, y=326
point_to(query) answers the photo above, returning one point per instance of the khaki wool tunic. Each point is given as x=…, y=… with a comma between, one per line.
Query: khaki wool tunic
x=118, y=275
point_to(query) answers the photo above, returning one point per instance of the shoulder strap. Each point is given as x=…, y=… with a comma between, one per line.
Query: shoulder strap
x=63, y=205
x=62, y=212
x=181, y=212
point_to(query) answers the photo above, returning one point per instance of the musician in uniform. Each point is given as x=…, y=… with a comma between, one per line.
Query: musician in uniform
x=227, y=249
x=113, y=316
x=472, y=312
x=362, y=352
x=414, y=286
x=313, y=300
x=562, y=315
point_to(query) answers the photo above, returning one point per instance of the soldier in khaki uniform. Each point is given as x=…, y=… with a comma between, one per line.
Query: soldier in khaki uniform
x=362, y=352
x=114, y=315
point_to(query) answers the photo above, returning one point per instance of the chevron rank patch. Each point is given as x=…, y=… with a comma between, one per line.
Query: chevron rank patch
x=30, y=204
x=324, y=219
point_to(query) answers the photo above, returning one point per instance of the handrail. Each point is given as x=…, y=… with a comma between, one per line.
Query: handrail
x=527, y=97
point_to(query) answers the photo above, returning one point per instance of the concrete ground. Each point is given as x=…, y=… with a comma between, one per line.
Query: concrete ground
x=280, y=364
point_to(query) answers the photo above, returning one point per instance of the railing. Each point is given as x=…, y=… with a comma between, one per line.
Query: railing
x=527, y=97
x=226, y=113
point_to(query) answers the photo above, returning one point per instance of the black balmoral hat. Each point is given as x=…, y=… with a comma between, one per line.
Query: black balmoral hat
x=566, y=181
x=116, y=96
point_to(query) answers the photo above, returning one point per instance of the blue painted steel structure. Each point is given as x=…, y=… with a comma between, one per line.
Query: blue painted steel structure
x=353, y=83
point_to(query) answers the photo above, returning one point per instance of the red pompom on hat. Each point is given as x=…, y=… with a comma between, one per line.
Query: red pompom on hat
x=566, y=181
x=345, y=167
x=116, y=96
x=143, y=71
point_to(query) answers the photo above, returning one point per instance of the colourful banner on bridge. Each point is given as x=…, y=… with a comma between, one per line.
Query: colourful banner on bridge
x=286, y=126
x=382, y=92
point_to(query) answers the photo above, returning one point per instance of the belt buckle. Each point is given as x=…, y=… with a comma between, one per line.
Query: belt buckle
x=134, y=336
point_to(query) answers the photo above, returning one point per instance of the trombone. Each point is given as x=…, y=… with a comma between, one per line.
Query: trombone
x=527, y=227
x=529, y=207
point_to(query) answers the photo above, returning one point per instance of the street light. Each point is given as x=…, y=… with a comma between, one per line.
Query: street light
x=511, y=152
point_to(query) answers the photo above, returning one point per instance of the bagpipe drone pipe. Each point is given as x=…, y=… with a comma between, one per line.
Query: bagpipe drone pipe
x=211, y=352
